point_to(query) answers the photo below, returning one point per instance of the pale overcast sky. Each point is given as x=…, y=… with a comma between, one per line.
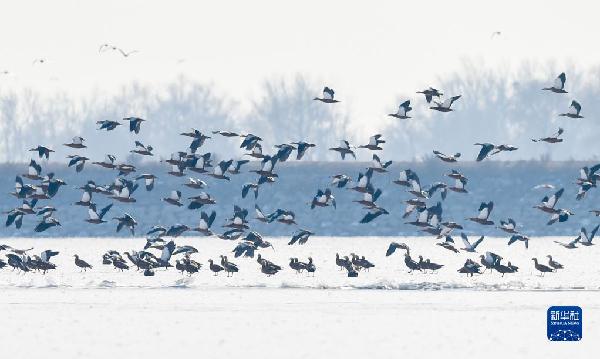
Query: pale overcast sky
x=371, y=53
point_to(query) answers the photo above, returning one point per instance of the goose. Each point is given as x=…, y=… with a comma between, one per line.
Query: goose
x=341, y=262
x=374, y=142
x=485, y=209
x=562, y=215
x=490, y=260
x=269, y=268
x=470, y=268
x=200, y=200
x=405, y=177
x=198, y=141
x=448, y=244
x=519, y=237
x=46, y=223
x=446, y=228
x=109, y=162
x=586, y=240
x=266, y=179
x=584, y=187
x=422, y=219
x=257, y=240
x=42, y=151
x=220, y=170
x=267, y=165
x=555, y=138
x=76, y=142
x=378, y=166
x=34, y=171
x=403, y=111
x=231, y=235
x=134, y=124
x=340, y=180
x=177, y=158
x=77, y=161
x=126, y=221
x=260, y=214
x=503, y=148
x=14, y=216
x=540, y=267
x=52, y=185
x=570, y=245
x=415, y=188
x=141, y=149
x=256, y=151
x=429, y=265
x=186, y=250
x=205, y=223
x=554, y=264
x=238, y=221
x=344, y=149
x=250, y=186
x=176, y=230
x=199, y=163
x=587, y=175
x=284, y=151
x=468, y=246
x=323, y=199
x=447, y=158
x=86, y=197
x=125, y=169
x=410, y=263
x=94, y=216
x=174, y=198
x=508, y=226
x=296, y=265
x=362, y=262
x=505, y=269
x=459, y=185
x=149, y=180
x=328, y=94
x=215, y=268
x=363, y=181
x=81, y=263
x=195, y=183
x=548, y=203
x=394, y=246
x=22, y=190
x=234, y=169
x=107, y=125
x=46, y=211
x=559, y=84
x=430, y=93
x=445, y=106
x=166, y=254
x=225, y=133
x=310, y=267
x=301, y=148
x=376, y=212
x=486, y=149
x=301, y=237
x=283, y=216
x=126, y=53
x=177, y=170
x=124, y=195
x=369, y=198
x=250, y=141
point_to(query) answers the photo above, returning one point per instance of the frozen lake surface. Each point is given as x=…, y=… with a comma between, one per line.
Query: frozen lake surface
x=382, y=313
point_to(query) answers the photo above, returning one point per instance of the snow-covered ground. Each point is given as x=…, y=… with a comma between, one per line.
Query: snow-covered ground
x=383, y=313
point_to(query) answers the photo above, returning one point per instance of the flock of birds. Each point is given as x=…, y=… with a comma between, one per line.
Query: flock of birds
x=160, y=244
